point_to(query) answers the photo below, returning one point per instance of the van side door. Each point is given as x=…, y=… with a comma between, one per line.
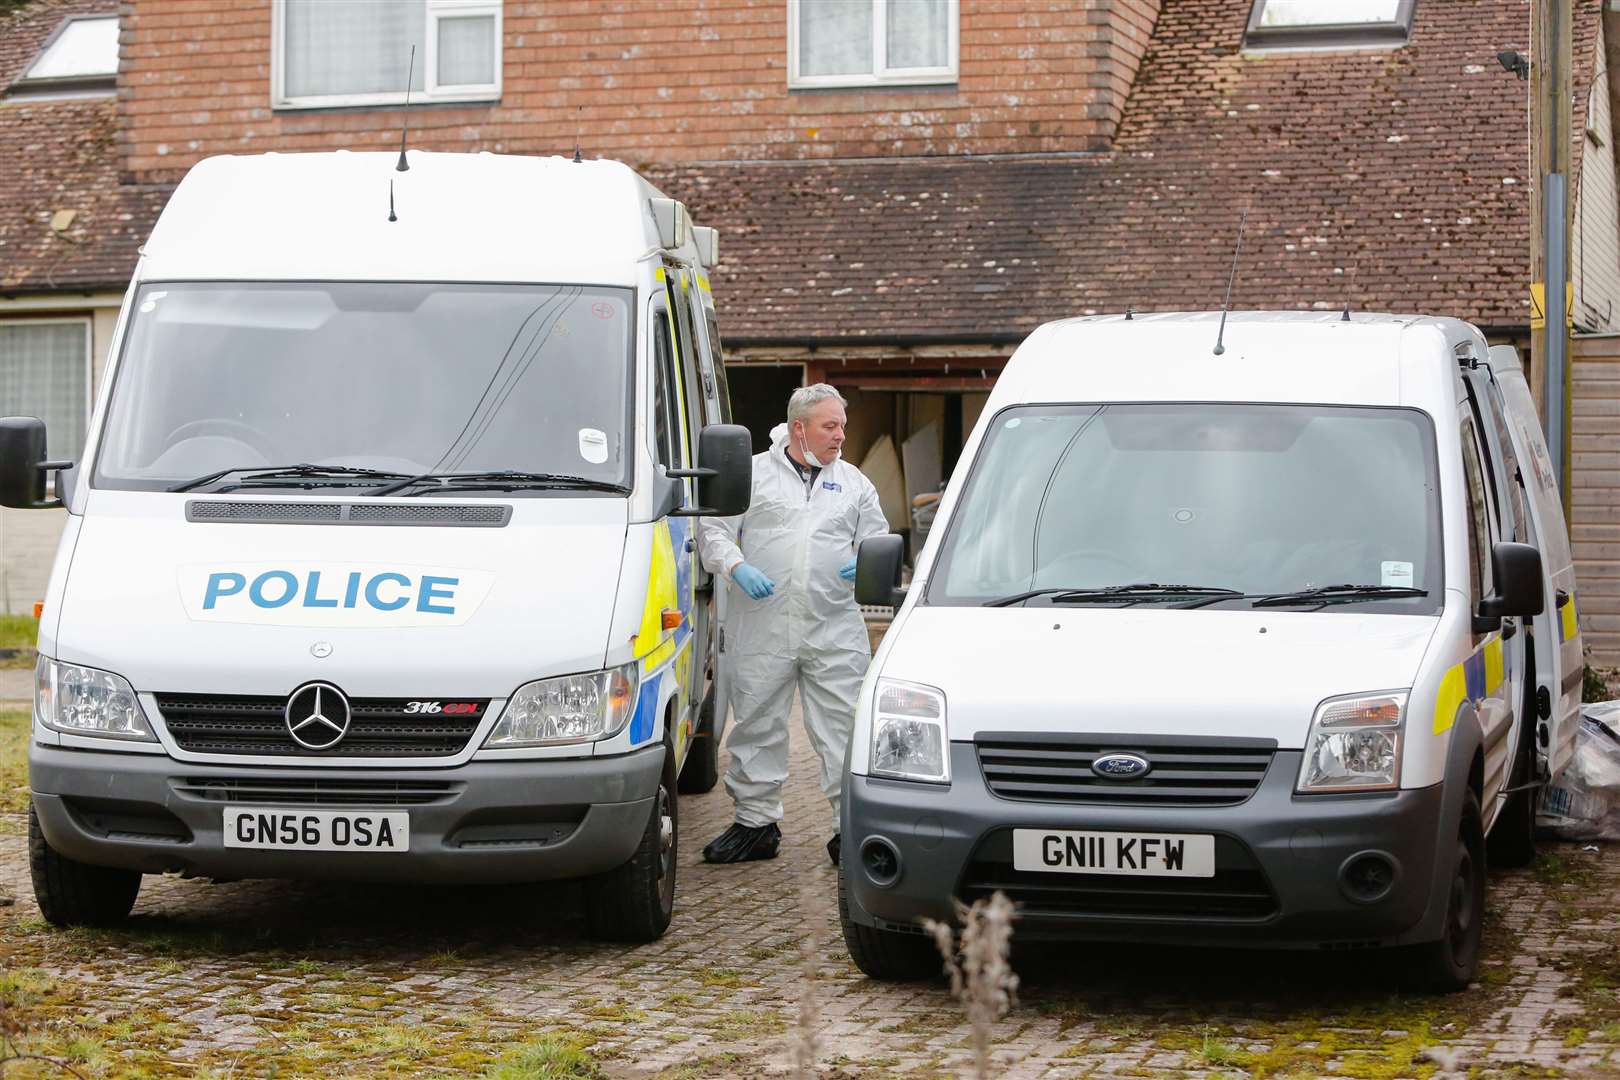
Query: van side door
x=1559, y=661
x=1491, y=682
x=675, y=434
x=708, y=403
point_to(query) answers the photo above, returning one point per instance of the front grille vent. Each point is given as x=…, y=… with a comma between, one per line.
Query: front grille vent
x=302, y=791
x=488, y=516
x=1183, y=772
x=380, y=727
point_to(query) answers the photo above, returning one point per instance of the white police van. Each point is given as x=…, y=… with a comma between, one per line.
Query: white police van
x=1252, y=646
x=379, y=559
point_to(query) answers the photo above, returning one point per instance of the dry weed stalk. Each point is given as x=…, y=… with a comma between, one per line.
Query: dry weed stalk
x=805, y=1044
x=982, y=979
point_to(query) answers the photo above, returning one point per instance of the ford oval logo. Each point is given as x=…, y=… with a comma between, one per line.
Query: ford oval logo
x=1120, y=766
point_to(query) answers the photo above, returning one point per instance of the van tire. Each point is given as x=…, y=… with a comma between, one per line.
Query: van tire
x=1450, y=963
x=702, y=768
x=72, y=893
x=886, y=954
x=636, y=901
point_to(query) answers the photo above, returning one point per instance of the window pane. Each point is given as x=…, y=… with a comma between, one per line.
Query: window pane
x=467, y=51
x=1258, y=498
x=42, y=374
x=1327, y=12
x=835, y=37
x=1479, y=536
x=84, y=47
x=918, y=34
x=353, y=46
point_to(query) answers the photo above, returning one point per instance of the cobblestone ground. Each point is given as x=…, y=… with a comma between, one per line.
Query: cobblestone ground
x=282, y=979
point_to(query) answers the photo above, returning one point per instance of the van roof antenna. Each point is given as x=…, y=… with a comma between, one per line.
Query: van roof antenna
x=1221, y=334
x=1346, y=316
x=405, y=118
x=578, y=134
x=391, y=216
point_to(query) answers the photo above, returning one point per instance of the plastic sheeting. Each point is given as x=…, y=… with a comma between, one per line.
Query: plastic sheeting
x=1585, y=804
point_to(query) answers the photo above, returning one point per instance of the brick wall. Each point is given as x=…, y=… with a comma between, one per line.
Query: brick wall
x=703, y=80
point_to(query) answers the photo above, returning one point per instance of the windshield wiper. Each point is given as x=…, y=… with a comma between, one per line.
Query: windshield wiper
x=1326, y=594
x=1144, y=590
x=288, y=472
x=500, y=479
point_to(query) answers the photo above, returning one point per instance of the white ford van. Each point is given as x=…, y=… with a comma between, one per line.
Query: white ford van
x=1251, y=646
x=379, y=558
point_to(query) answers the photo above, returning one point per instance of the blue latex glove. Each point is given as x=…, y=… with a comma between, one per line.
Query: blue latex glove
x=752, y=582
x=847, y=571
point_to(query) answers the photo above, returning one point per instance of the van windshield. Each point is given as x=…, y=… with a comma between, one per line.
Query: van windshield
x=398, y=378
x=1259, y=500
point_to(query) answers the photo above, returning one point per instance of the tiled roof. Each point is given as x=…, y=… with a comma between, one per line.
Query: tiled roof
x=59, y=155
x=1385, y=179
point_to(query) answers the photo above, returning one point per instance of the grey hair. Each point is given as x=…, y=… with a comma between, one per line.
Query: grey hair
x=806, y=398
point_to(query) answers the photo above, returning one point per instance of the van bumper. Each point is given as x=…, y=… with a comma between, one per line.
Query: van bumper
x=483, y=822
x=1281, y=863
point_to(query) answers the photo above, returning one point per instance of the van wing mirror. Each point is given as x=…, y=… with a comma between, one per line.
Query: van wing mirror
x=725, y=472
x=1519, y=588
x=23, y=467
x=877, y=571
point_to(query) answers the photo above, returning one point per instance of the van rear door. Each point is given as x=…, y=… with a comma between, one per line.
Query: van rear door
x=1558, y=668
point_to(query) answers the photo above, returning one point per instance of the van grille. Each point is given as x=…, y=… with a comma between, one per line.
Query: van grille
x=1184, y=772
x=380, y=727
x=1238, y=891
x=305, y=791
x=488, y=516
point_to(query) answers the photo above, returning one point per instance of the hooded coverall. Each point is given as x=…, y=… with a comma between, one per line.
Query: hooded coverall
x=807, y=634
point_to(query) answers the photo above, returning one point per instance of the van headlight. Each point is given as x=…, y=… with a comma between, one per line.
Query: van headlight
x=570, y=709
x=79, y=700
x=1354, y=744
x=908, y=733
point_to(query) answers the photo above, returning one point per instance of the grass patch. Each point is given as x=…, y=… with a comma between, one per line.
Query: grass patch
x=549, y=1057
x=18, y=631
x=14, y=726
x=742, y=1024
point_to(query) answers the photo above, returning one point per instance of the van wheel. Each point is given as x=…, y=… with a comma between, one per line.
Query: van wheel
x=702, y=768
x=1450, y=963
x=72, y=893
x=636, y=901
x=886, y=954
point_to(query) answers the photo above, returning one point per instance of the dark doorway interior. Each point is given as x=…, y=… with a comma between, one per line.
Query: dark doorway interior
x=759, y=397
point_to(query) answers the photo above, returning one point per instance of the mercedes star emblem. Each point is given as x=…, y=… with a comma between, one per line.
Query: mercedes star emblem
x=317, y=716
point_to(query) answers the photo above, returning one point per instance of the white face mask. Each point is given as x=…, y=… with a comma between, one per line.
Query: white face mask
x=809, y=458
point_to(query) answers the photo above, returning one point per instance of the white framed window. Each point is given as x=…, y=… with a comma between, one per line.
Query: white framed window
x=80, y=55
x=45, y=372
x=1328, y=24
x=833, y=43
x=344, y=53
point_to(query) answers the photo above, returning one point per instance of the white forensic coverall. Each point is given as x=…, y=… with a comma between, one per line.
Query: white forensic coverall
x=807, y=634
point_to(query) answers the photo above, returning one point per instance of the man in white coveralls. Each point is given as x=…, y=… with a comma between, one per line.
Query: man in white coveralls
x=792, y=620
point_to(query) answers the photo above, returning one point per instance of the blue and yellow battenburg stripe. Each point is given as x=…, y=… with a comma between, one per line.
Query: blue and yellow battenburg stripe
x=669, y=588
x=1475, y=679
x=1566, y=623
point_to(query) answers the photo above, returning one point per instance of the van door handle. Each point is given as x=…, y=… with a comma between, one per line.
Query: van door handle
x=1561, y=597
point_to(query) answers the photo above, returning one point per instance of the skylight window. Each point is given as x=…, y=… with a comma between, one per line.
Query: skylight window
x=1328, y=24
x=82, y=54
